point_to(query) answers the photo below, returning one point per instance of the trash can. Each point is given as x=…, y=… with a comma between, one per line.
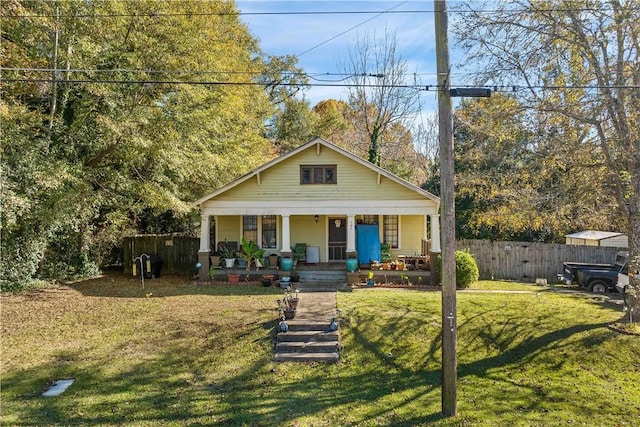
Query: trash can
x=154, y=261
x=156, y=265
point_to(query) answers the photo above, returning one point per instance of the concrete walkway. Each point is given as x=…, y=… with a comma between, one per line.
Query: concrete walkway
x=317, y=306
x=309, y=338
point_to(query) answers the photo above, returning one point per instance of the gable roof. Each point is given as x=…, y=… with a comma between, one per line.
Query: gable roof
x=331, y=146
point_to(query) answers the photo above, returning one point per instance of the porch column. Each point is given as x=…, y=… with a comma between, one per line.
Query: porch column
x=435, y=233
x=286, y=236
x=351, y=233
x=203, y=253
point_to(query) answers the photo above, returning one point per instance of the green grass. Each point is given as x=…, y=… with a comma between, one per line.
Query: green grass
x=190, y=355
x=495, y=285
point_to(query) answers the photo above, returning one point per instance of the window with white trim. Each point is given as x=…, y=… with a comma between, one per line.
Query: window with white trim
x=318, y=174
x=269, y=232
x=266, y=227
x=390, y=226
x=250, y=228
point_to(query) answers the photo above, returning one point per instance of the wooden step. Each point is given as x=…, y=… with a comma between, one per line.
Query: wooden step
x=307, y=336
x=308, y=325
x=307, y=357
x=307, y=347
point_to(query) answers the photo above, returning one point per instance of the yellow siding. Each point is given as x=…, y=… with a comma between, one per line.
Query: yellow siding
x=412, y=229
x=229, y=228
x=305, y=230
x=282, y=181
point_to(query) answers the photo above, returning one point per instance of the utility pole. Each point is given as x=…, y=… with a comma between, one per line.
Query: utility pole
x=447, y=214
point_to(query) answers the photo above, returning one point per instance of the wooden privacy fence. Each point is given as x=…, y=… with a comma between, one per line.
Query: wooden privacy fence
x=523, y=261
x=526, y=261
x=179, y=253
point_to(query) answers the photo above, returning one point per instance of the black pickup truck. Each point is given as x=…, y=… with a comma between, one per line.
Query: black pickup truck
x=598, y=278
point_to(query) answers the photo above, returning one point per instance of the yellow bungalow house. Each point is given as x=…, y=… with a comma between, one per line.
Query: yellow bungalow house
x=325, y=197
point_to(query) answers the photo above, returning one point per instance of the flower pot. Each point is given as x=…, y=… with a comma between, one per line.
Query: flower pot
x=293, y=302
x=229, y=262
x=352, y=264
x=233, y=278
x=273, y=261
x=371, y=282
x=289, y=313
x=267, y=279
x=286, y=264
x=215, y=261
x=284, y=282
x=242, y=263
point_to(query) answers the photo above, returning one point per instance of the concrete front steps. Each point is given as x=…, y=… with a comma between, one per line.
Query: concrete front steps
x=327, y=276
x=307, y=341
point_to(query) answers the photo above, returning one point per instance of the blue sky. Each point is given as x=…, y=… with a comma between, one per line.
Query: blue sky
x=297, y=34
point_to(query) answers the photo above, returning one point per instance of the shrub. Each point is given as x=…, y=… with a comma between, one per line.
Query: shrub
x=466, y=269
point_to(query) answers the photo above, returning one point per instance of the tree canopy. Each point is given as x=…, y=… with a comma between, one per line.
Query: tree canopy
x=577, y=65
x=112, y=109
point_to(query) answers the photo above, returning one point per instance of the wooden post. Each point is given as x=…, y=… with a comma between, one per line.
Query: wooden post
x=447, y=209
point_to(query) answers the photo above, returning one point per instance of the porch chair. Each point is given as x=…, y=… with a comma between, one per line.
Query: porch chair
x=300, y=252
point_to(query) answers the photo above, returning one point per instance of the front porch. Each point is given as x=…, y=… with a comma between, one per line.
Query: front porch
x=325, y=240
x=329, y=275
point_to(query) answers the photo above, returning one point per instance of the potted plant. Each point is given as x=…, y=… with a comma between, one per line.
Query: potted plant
x=285, y=310
x=250, y=254
x=215, y=259
x=229, y=255
x=285, y=281
x=370, y=281
x=233, y=278
x=273, y=260
x=240, y=261
x=291, y=298
x=385, y=252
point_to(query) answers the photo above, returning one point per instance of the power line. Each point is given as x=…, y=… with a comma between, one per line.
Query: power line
x=350, y=29
x=332, y=12
x=196, y=72
x=195, y=83
x=239, y=13
x=496, y=88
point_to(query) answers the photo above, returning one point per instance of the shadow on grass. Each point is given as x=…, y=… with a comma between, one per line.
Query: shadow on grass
x=514, y=352
x=175, y=388
x=181, y=384
x=121, y=286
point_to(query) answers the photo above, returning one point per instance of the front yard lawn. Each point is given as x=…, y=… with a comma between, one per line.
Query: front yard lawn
x=181, y=354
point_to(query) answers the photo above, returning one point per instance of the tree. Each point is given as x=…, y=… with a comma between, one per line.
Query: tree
x=293, y=123
x=378, y=94
x=425, y=140
x=332, y=123
x=335, y=122
x=578, y=60
x=513, y=182
x=112, y=139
